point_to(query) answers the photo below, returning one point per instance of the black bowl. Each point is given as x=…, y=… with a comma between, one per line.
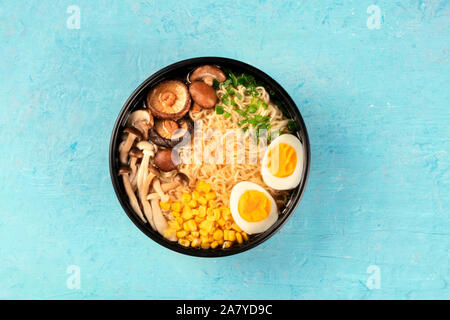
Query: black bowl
x=180, y=70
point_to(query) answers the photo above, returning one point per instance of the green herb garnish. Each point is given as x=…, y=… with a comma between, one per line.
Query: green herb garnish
x=252, y=108
x=219, y=109
x=241, y=112
x=216, y=84
x=227, y=114
x=242, y=122
x=225, y=100
x=292, y=126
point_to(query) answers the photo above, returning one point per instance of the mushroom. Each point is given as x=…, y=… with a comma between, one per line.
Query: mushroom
x=182, y=178
x=169, y=100
x=148, y=151
x=164, y=161
x=134, y=154
x=143, y=189
x=133, y=134
x=165, y=128
x=168, y=133
x=203, y=95
x=160, y=222
x=207, y=74
x=124, y=172
x=169, y=186
x=157, y=187
x=196, y=108
x=141, y=120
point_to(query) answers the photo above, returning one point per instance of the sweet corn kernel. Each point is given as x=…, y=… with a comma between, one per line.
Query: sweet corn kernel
x=202, y=201
x=176, y=214
x=236, y=228
x=185, y=197
x=203, y=186
x=205, y=239
x=214, y=244
x=181, y=234
x=212, y=204
x=185, y=226
x=192, y=225
x=195, y=212
x=211, y=238
x=207, y=225
x=198, y=220
x=164, y=205
x=245, y=236
x=220, y=242
x=179, y=220
x=196, y=242
x=225, y=211
x=202, y=211
x=228, y=224
x=170, y=232
x=210, y=217
x=225, y=234
x=227, y=244
x=190, y=237
x=184, y=242
x=218, y=234
x=239, y=237
x=231, y=235
x=205, y=245
x=210, y=195
x=195, y=234
x=221, y=222
x=203, y=232
x=187, y=213
x=174, y=225
x=192, y=204
x=176, y=206
x=195, y=195
x=216, y=214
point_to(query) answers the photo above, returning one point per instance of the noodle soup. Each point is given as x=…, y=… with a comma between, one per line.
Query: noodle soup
x=209, y=161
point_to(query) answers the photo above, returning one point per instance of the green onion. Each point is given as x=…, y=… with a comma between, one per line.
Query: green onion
x=242, y=113
x=245, y=129
x=225, y=100
x=242, y=122
x=233, y=79
x=252, y=108
x=227, y=114
x=239, y=96
x=292, y=126
x=216, y=84
x=230, y=91
x=265, y=105
x=219, y=110
x=253, y=121
x=233, y=103
x=260, y=118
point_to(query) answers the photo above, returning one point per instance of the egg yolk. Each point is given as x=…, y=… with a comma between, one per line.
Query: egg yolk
x=282, y=160
x=254, y=206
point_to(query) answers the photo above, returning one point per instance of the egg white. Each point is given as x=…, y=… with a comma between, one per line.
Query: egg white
x=294, y=179
x=251, y=227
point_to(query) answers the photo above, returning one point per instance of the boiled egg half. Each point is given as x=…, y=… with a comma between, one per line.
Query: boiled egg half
x=282, y=163
x=253, y=209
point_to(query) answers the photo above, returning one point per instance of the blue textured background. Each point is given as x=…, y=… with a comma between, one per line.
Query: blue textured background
x=376, y=104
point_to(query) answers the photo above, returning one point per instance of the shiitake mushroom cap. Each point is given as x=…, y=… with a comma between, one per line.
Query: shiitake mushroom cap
x=202, y=94
x=184, y=123
x=169, y=99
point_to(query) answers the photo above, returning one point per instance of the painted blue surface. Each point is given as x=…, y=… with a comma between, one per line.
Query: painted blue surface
x=375, y=101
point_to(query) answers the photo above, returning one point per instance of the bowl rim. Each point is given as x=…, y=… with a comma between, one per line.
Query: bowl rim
x=281, y=94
